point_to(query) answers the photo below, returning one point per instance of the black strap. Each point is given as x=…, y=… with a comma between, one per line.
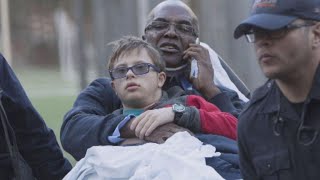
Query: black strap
x=6, y=127
x=20, y=168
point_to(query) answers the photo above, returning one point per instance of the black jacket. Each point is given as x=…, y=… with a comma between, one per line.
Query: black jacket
x=275, y=142
x=36, y=142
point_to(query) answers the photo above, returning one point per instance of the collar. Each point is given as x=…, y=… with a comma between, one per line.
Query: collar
x=271, y=95
x=178, y=80
x=274, y=102
x=178, y=71
x=135, y=112
x=186, y=85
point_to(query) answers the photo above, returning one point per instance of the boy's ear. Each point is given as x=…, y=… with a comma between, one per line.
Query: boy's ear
x=162, y=79
x=112, y=85
x=316, y=33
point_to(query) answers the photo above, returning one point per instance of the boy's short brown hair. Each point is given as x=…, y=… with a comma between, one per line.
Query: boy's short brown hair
x=130, y=43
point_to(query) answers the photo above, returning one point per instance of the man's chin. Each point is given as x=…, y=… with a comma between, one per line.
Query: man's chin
x=275, y=75
x=172, y=60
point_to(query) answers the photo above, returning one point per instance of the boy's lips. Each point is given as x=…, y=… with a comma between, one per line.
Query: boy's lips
x=131, y=85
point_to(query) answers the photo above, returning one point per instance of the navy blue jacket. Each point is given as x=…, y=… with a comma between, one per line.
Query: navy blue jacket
x=36, y=142
x=275, y=142
x=91, y=121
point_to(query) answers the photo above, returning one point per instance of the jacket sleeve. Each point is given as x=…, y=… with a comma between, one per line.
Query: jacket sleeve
x=36, y=142
x=228, y=101
x=90, y=121
x=212, y=120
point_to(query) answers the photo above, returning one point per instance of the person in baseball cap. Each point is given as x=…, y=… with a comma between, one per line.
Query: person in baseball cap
x=278, y=132
x=272, y=15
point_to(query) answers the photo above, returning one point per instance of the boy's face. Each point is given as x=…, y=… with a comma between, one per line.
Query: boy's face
x=137, y=91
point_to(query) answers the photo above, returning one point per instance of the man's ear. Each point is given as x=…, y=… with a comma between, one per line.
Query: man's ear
x=162, y=78
x=316, y=34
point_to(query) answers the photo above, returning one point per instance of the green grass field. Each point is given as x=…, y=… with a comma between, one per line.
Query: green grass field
x=50, y=94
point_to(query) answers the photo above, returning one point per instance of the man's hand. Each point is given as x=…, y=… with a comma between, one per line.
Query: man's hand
x=204, y=83
x=148, y=121
x=162, y=133
x=132, y=141
x=126, y=132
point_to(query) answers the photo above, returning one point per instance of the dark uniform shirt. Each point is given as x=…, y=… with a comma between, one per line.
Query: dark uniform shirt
x=276, y=139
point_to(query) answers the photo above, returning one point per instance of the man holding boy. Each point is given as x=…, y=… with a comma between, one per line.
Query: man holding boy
x=172, y=28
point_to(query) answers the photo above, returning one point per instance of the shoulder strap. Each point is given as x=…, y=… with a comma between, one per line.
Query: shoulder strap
x=20, y=167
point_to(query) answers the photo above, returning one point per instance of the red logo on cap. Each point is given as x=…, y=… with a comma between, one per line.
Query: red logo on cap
x=264, y=3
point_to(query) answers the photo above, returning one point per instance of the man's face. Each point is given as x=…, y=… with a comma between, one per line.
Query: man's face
x=137, y=91
x=285, y=57
x=172, y=40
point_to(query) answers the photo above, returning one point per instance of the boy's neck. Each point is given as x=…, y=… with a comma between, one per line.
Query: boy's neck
x=135, y=112
x=141, y=106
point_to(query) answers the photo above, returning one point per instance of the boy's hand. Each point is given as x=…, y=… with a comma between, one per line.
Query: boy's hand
x=148, y=121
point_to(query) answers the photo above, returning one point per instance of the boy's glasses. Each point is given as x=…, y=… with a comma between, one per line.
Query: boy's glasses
x=138, y=69
x=257, y=33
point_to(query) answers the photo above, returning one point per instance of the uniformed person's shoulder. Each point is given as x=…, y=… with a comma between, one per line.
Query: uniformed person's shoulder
x=255, y=102
x=262, y=91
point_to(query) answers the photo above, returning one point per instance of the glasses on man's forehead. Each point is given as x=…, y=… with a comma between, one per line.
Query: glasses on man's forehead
x=164, y=26
x=138, y=69
x=256, y=33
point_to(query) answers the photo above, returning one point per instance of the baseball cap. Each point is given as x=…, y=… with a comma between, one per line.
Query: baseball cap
x=276, y=14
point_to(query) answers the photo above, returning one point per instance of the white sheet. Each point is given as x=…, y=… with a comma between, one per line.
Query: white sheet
x=181, y=157
x=220, y=75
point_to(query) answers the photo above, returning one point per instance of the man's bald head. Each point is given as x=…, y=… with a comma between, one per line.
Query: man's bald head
x=176, y=4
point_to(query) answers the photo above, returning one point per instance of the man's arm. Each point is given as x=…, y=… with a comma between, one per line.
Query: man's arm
x=162, y=133
x=199, y=116
x=36, y=142
x=90, y=121
x=228, y=101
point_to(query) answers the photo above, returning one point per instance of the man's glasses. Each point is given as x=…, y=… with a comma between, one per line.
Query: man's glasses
x=257, y=33
x=164, y=26
x=138, y=69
